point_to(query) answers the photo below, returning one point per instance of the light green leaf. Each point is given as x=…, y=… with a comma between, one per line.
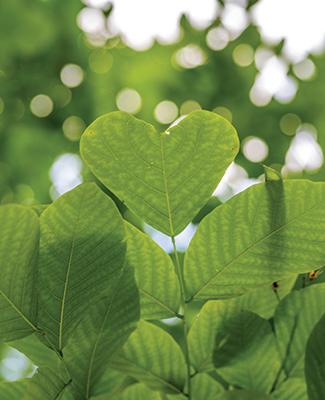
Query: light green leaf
x=101, y=333
x=110, y=384
x=163, y=178
x=82, y=249
x=292, y=389
x=36, y=351
x=45, y=385
x=138, y=392
x=205, y=387
x=246, y=354
x=13, y=390
x=294, y=320
x=19, y=240
x=244, y=395
x=155, y=276
x=315, y=365
x=153, y=357
x=264, y=234
x=202, y=335
x=264, y=301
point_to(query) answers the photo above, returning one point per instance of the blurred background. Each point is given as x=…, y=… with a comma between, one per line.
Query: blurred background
x=260, y=64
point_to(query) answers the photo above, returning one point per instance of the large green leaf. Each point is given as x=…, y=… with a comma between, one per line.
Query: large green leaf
x=291, y=389
x=315, y=362
x=205, y=387
x=264, y=234
x=45, y=385
x=102, y=332
x=82, y=249
x=19, y=239
x=153, y=357
x=163, y=178
x=246, y=354
x=138, y=392
x=155, y=275
x=294, y=319
x=13, y=390
x=244, y=395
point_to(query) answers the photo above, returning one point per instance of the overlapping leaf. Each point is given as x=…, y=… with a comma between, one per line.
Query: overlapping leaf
x=315, y=362
x=160, y=176
x=294, y=319
x=262, y=235
x=19, y=239
x=153, y=357
x=155, y=276
x=101, y=333
x=291, y=389
x=82, y=249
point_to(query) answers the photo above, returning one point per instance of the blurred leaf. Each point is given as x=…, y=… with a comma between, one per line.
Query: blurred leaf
x=292, y=389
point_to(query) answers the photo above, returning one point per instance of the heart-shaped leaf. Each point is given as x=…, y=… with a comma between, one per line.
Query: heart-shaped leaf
x=164, y=178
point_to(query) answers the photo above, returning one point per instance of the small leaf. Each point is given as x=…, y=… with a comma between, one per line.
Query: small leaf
x=315, y=366
x=155, y=276
x=163, y=178
x=19, y=240
x=245, y=354
x=271, y=174
x=269, y=232
x=82, y=248
x=153, y=357
x=101, y=333
x=294, y=319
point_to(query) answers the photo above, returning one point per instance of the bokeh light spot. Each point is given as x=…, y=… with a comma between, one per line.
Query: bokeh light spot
x=289, y=124
x=100, y=61
x=190, y=56
x=166, y=112
x=71, y=75
x=217, y=38
x=255, y=149
x=189, y=106
x=224, y=112
x=304, y=70
x=129, y=100
x=243, y=55
x=41, y=105
x=73, y=127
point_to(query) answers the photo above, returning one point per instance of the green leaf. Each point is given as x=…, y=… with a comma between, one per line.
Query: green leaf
x=265, y=300
x=244, y=395
x=202, y=335
x=82, y=248
x=264, y=234
x=101, y=333
x=315, y=366
x=205, y=387
x=45, y=385
x=13, y=390
x=246, y=354
x=155, y=276
x=153, y=357
x=111, y=384
x=19, y=240
x=294, y=320
x=138, y=392
x=163, y=178
x=36, y=351
x=292, y=389
x=271, y=174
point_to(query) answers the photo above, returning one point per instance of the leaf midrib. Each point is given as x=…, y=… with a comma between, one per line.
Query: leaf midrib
x=245, y=251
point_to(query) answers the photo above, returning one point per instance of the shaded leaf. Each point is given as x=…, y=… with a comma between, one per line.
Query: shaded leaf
x=292, y=389
x=266, y=233
x=315, y=365
x=159, y=176
x=294, y=319
x=153, y=357
x=155, y=275
x=82, y=249
x=101, y=333
x=19, y=239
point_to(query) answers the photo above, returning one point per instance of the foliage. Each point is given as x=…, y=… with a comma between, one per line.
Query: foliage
x=84, y=293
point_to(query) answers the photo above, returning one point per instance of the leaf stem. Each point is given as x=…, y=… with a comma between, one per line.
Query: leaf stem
x=179, y=274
